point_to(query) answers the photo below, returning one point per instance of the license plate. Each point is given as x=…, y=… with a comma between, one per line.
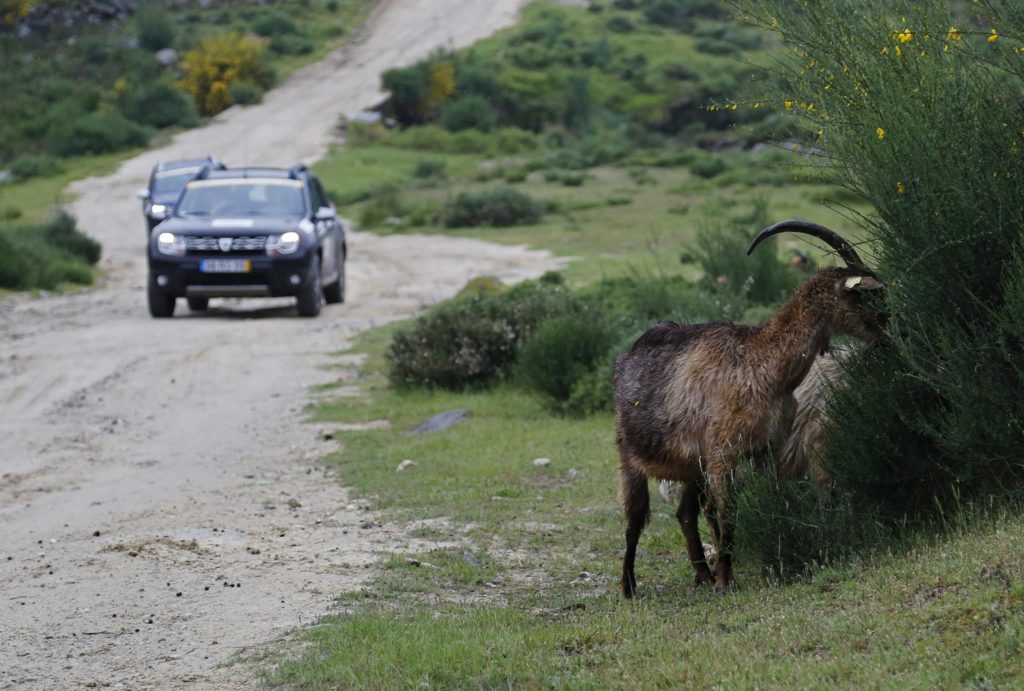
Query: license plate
x=225, y=266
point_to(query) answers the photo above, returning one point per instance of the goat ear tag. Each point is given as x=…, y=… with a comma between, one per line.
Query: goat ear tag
x=853, y=281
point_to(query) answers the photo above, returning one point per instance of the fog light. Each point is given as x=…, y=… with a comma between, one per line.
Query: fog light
x=295, y=279
x=161, y=281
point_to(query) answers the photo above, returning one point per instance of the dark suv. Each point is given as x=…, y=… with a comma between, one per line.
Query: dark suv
x=248, y=232
x=166, y=181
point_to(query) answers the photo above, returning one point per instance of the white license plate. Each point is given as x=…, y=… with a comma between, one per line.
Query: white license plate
x=225, y=266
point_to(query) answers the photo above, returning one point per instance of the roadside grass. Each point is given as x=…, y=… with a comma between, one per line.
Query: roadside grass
x=522, y=588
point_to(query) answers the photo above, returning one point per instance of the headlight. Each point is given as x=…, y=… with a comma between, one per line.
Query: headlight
x=158, y=210
x=285, y=243
x=169, y=243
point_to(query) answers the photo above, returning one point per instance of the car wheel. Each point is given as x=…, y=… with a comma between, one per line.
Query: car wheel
x=198, y=304
x=335, y=292
x=311, y=297
x=161, y=305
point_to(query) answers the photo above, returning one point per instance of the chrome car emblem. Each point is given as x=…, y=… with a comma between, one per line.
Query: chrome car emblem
x=225, y=244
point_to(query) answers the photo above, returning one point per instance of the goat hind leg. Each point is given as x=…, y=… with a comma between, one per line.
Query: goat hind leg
x=689, y=507
x=636, y=500
x=720, y=497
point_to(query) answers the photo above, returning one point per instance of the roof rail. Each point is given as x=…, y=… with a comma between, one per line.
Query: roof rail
x=296, y=170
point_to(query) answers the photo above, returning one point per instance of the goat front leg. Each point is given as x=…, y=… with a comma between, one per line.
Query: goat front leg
x=689, y=507
x=636, y=501
x=720, y=497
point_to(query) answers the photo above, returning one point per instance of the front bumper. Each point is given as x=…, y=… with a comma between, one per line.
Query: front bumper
x=267, y=277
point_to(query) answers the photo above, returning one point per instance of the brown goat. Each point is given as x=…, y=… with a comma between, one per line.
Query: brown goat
x=693, y=400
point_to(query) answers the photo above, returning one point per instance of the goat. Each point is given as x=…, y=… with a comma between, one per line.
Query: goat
x=691, y=401
x=802, y=453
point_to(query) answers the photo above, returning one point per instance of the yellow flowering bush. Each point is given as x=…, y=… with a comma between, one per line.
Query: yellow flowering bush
x=220, y=61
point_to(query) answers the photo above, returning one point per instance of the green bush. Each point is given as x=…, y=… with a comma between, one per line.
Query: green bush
x=708, y=165
x=154, y=27
x=45, y=255
x=502, y=206
x=468, y=112
x=27, y=167
x=244, y=93
x=562, y=351
x=97, y=133
x=159, y=104
x=291, y=44
x=474, y=340
x=385, y=202
x=430, y=169
x=273, y=24
x=934, y=422
x=721, y=253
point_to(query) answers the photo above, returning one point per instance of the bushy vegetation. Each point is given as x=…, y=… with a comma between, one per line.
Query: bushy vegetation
x=46, y=255
x=218, y=63
x=502, y=206
x=919, y=114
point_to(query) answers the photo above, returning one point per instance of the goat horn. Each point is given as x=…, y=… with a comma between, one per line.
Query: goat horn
x=844, y=248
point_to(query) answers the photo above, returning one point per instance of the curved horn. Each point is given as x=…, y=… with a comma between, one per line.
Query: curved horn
x=844, y=248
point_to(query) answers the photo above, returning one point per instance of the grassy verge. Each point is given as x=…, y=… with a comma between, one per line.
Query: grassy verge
x=528, y=597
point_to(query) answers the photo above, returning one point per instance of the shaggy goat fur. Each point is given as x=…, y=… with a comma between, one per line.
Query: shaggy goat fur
x=693, y=400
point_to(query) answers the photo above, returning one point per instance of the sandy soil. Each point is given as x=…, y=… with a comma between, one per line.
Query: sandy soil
x=160, y=500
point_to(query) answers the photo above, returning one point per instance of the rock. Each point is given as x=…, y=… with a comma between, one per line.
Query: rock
x=294, y=503
x=442, y=421
x=572, y=473
x=6, y=176
x=407, y=463
x=541, y=462
x=472, y=560
x=367, y=117
x=167, y=57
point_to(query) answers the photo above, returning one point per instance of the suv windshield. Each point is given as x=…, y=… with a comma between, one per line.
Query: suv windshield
x=171, y=181
x=242, y=198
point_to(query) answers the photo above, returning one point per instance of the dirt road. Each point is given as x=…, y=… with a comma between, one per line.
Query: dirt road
x=160, y=503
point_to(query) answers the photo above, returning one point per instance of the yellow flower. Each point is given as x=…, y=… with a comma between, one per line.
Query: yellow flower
x=954, y=34
x=993, y=37
x=789, y=104
x=905, y=36
x=899, y=53
x=881, y=133
x=900, y=189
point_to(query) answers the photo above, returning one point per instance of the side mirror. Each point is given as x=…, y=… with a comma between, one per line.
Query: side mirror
x=325, y=213
x=143, y=193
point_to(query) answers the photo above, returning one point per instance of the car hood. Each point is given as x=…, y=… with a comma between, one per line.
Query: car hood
x=228, y=227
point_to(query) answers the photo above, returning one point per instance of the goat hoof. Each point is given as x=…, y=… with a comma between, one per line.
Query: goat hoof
x=702, y=579
x=720, y=591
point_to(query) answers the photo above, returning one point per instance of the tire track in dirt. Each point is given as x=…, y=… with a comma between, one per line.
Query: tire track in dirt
x=159, y=495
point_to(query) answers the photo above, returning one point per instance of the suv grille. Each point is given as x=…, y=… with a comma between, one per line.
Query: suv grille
x=209, y=244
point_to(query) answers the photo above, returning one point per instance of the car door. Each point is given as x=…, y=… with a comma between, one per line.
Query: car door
x=326, y=230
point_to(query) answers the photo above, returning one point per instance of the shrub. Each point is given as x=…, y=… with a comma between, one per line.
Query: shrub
x=158, y=104
x=721, y=252
x=154, y=27
x=385, y=202
x=501, y=206
x=561, y=352
x=62, y=232
x=44, y=255
x=244, y=93
x=620, y=24
x=472, y=341
x=932, y=423
x=210, y=70
x=34, y=166
x=468, y=112
x=97, y=133
x=273, y=24
x=429, y=169
x=291, y=44
x=708, y=165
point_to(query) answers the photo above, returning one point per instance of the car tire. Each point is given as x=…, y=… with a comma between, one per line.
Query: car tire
x=161, y=305
x=310, y=299
x=335, y=292
x=198, y=304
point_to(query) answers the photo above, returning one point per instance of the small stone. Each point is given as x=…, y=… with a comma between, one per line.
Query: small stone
x=294, y=503
x=541, y=462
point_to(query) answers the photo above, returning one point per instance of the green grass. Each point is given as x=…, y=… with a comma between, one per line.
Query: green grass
x=947, y=613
